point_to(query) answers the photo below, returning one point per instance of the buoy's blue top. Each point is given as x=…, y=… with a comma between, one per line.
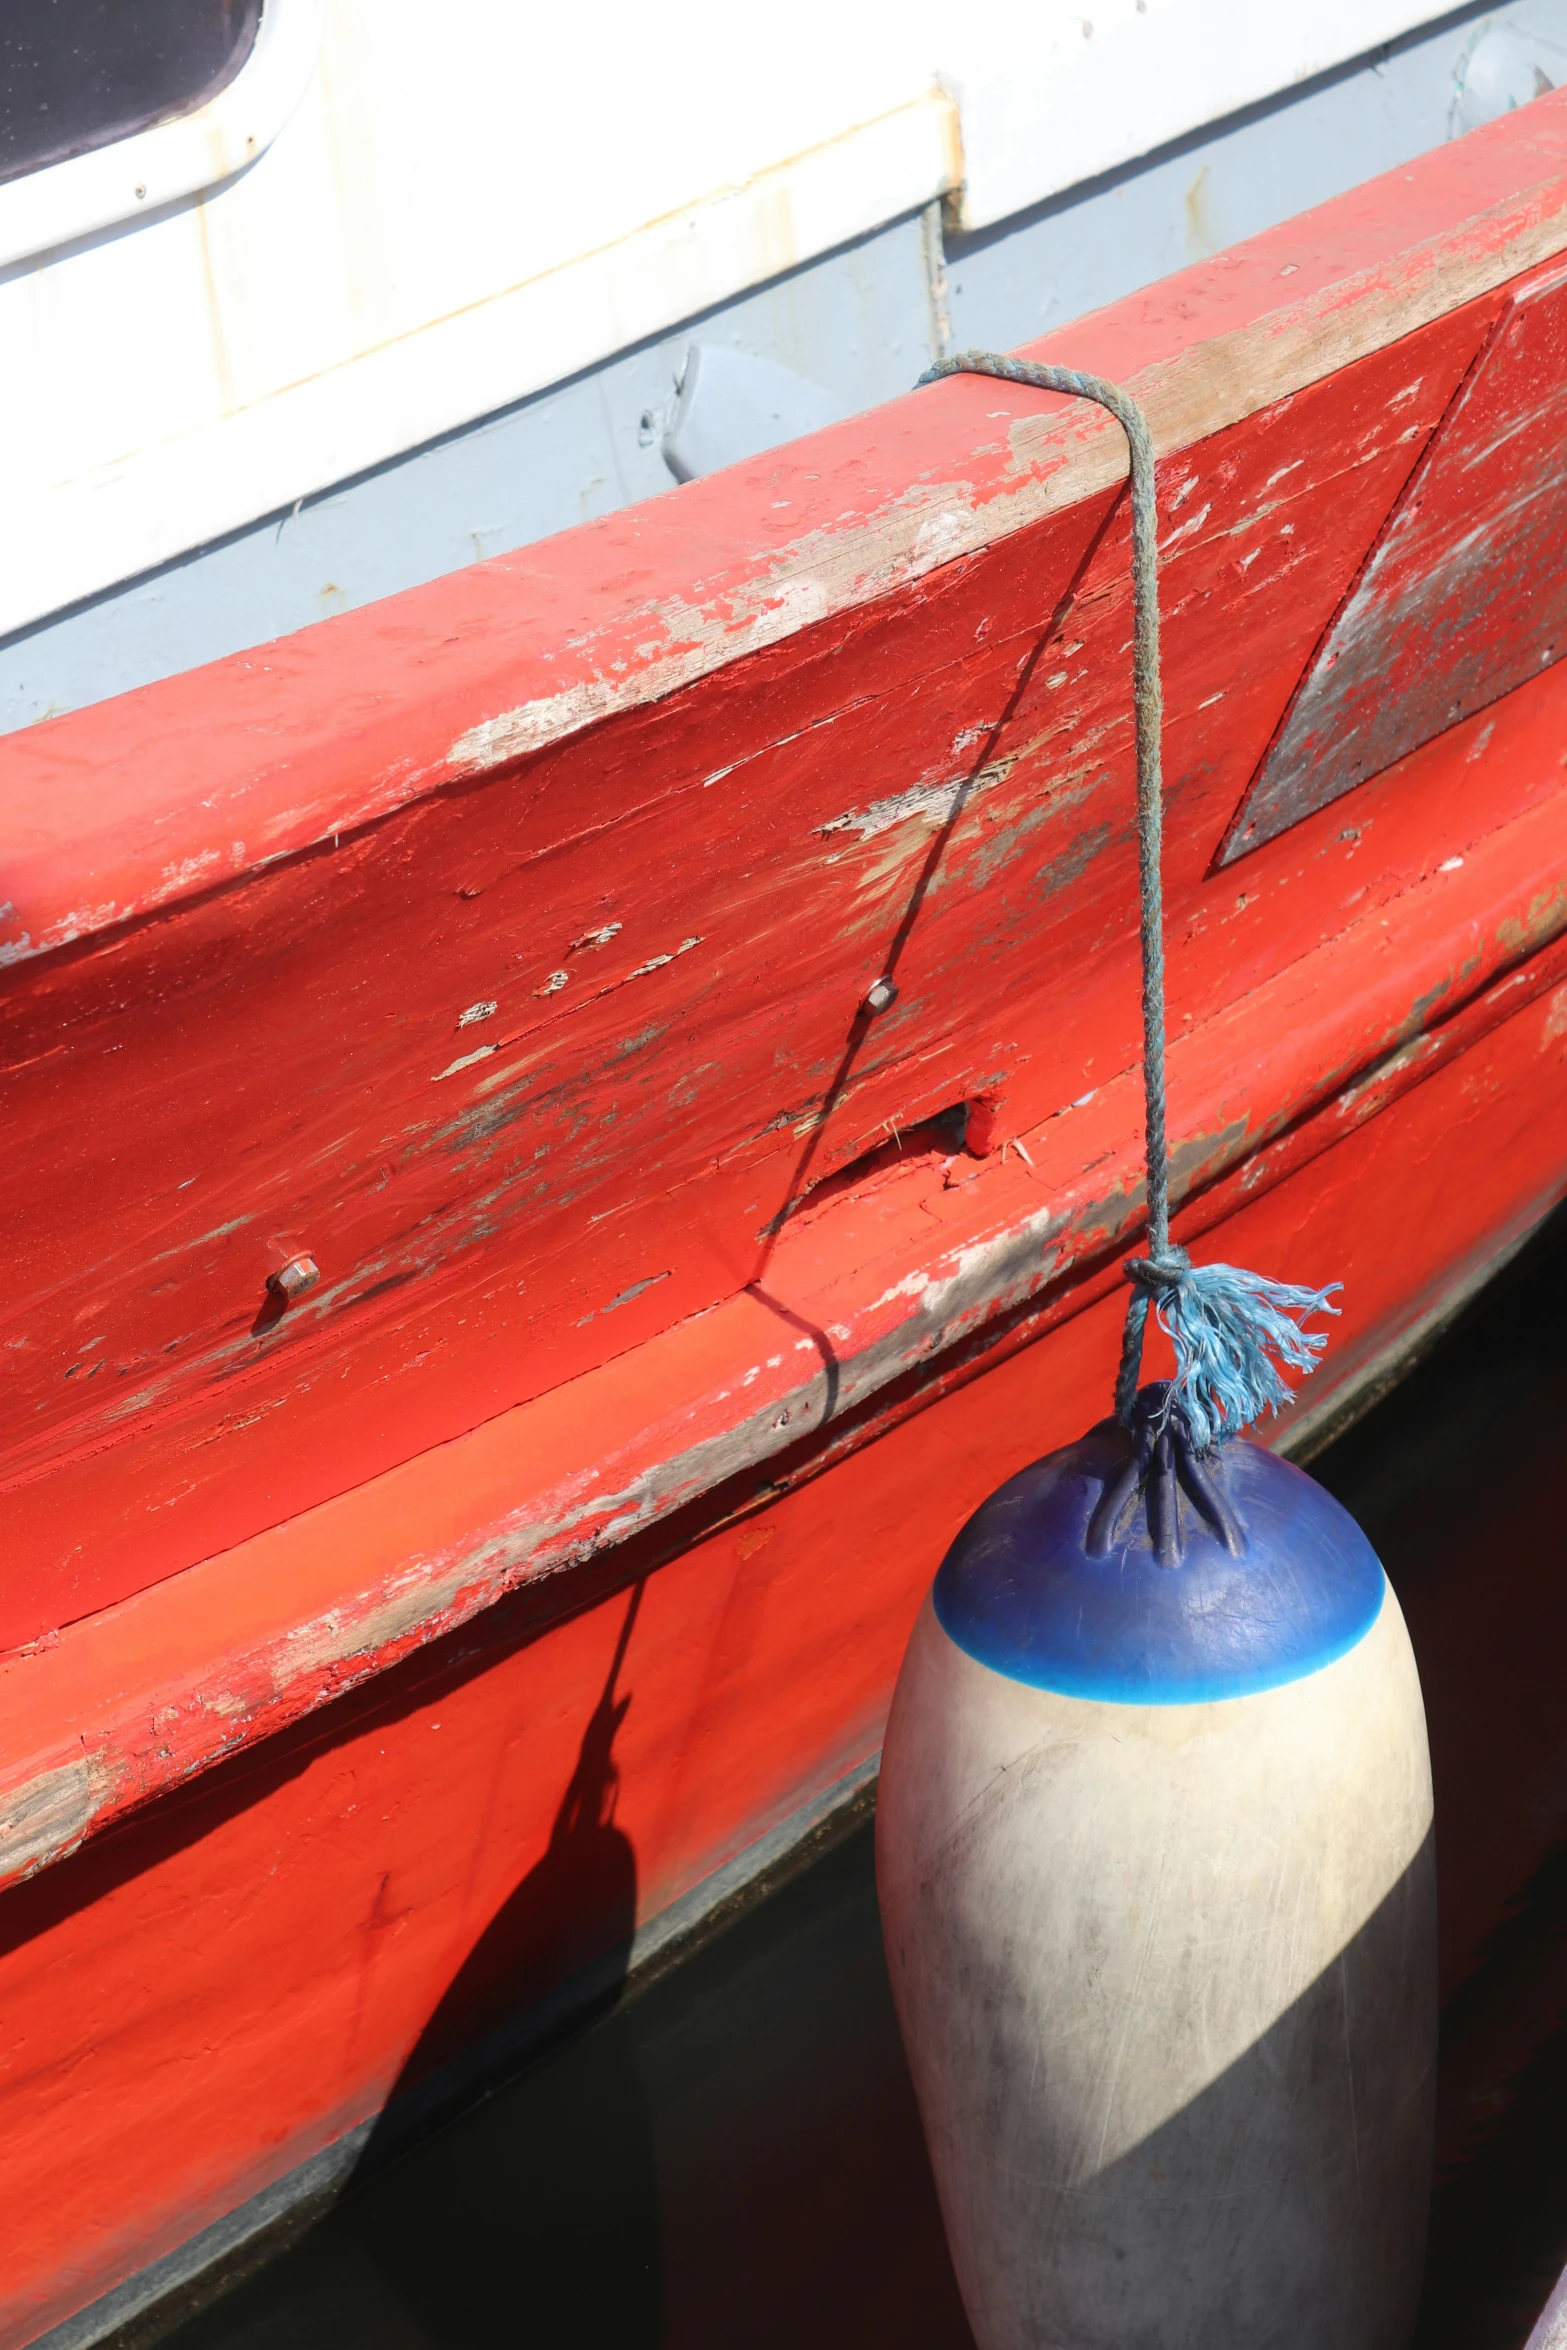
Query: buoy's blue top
x=1019, y=1591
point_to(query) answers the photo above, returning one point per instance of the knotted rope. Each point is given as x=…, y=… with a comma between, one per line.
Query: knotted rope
x=1231, y=1330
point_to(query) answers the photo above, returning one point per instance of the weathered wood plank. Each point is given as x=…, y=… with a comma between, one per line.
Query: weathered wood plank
x=1464, y=596
x=273, y=752
x=299, y=1917
x=533, y=1069
x=865, y=704
x=563, y=1338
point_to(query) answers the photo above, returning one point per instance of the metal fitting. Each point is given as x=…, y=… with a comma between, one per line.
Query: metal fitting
x=293, y=1279
x=881, y=998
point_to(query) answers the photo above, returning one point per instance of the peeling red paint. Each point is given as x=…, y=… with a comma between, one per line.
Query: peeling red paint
x=449, y=1221
x=1462, y=597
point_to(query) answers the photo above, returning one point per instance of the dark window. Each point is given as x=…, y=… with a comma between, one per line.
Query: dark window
x=76, y=74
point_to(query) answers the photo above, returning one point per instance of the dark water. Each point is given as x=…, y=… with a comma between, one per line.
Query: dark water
x=733, y=2157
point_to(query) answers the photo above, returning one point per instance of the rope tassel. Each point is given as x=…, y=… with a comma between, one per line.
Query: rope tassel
x=1234, y=1334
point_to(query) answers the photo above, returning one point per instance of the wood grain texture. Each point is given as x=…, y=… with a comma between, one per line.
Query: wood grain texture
x=1463, y=597
x=566, y=1059
x=535, y=1062
x=534, y=1068
x=618, y=1163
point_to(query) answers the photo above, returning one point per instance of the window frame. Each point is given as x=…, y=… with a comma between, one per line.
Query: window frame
x=134, y=177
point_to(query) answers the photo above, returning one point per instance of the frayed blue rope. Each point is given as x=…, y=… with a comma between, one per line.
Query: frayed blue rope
x=1234, y=1335
x=1231, y=1330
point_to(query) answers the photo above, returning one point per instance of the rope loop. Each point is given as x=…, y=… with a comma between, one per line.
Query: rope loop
x=1161, y=1277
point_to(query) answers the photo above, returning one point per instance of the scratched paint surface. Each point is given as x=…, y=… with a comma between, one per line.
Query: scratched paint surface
x=1465, y=595
x=533, y=1069
x=538, y=1051
x=289, y=748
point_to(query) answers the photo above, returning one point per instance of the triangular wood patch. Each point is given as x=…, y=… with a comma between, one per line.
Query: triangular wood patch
x=1464, y=595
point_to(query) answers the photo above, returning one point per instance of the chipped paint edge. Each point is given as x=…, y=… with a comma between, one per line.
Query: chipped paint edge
x=1058, y=460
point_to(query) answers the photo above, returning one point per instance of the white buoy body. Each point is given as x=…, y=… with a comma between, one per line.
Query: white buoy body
x=1165, y=1963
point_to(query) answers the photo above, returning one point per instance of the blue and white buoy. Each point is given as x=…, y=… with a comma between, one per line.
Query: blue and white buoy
x=1155, y=1864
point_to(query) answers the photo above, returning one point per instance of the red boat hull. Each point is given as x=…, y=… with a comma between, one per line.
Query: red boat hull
x=381, y=1668
x=209, y=1997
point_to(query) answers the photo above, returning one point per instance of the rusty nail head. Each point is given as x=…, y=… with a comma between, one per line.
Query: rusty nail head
x=294, y=1278
x=882, y=996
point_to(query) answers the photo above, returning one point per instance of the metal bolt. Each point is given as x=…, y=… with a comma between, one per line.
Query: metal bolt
x=882, y=997
x=294, y=1278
